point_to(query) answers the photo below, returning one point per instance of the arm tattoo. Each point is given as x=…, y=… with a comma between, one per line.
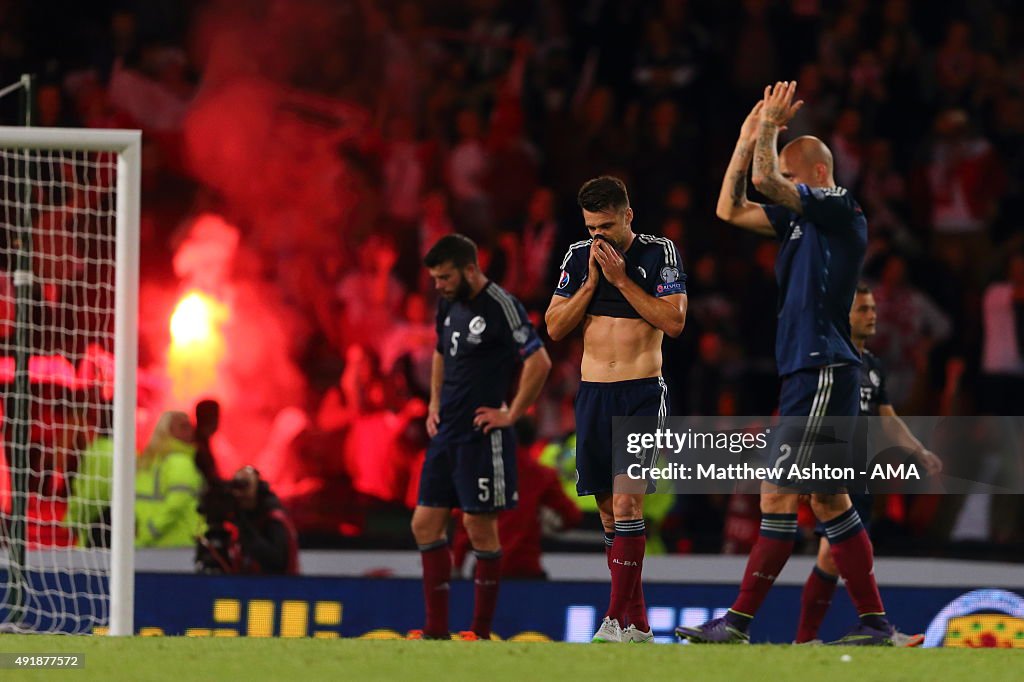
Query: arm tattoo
x=739, y=188
x=738, y=195
x=765, y=157
x=766, y=165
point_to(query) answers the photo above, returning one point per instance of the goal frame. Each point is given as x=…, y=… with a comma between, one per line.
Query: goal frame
x=127, y=144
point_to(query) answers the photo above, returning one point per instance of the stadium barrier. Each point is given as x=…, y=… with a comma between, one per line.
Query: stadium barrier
x=968, y=613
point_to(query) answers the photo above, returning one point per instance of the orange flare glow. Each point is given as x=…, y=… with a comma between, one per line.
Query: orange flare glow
x=197, y=345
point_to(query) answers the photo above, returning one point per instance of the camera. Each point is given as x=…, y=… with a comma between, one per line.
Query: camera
x=219, y=507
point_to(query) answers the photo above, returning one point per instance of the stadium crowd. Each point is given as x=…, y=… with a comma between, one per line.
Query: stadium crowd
x=485, y=116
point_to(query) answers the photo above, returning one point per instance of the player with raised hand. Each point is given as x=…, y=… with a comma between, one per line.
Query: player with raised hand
x=482, y=333
x=628, y=290
x=823, y=237
x=874, y=402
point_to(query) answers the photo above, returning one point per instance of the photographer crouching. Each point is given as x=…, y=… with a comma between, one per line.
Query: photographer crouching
x=248, y=530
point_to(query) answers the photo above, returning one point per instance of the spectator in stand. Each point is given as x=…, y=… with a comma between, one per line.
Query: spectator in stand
x=451, y=91
x=120, y=42
x=538, y=239
x=846, y=147
x=820, y=102
x=513, y=170
x=490, y=27
x=1001, y=390
x=371, y=293
x=678, y=206
x=92, y=105
x=963, y=184
x=668, y=137
x=713, y=309
x=434, y=223
x=377, y=455
x=664, y=67
x=406, y=51
x=147, y=85
x=407, y=164
x=955, y=64
x=838, y=45
x=468, y=166
x=543, y=509
x=756, y=61
x=339, y=404
x=867, y=86
x=585, y=139
x=910, y=325
x=883, y=190
x=410, y=346
x=709, y=374
x=50, y=106
x=404, y=174
x=900, y=118
x=554, y=414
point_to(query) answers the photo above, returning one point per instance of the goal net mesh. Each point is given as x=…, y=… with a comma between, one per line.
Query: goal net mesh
x=56, y=365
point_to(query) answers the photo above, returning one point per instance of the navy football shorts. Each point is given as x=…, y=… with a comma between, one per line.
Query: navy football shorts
x=477, y=476
x=596, y=405
x=818, y=410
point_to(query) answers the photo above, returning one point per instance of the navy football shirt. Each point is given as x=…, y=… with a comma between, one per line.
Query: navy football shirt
x=482, y=341
x=872, y=385
x=652, y=262
x=817, y=269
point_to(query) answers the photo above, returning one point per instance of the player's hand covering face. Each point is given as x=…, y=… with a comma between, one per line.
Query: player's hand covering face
x=612, y=264
x=612, y=225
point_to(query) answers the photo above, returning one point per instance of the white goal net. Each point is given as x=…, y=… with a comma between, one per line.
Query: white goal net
x=68, y=318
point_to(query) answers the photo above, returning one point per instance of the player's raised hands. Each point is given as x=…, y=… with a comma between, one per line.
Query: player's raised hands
x=748, y=131
x=779, y=107
x=612, y=264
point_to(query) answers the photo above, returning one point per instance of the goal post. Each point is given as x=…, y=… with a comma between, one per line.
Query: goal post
x=100, y=171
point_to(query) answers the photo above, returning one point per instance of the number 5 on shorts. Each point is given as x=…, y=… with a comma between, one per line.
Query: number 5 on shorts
x=485, y=490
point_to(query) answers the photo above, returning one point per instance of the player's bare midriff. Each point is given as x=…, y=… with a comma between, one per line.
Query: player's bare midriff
x=620, y=349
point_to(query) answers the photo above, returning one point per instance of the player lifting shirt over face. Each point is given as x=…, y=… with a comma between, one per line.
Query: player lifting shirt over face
x=628, y=290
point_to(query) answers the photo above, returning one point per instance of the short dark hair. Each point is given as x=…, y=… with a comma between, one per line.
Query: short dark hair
x=603, y=193
x=457, y=249
x=863, y=288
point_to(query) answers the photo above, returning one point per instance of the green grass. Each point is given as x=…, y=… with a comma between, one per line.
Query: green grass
x=225, y=660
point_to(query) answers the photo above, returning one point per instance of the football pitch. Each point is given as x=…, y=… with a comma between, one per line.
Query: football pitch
x=248, y=659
